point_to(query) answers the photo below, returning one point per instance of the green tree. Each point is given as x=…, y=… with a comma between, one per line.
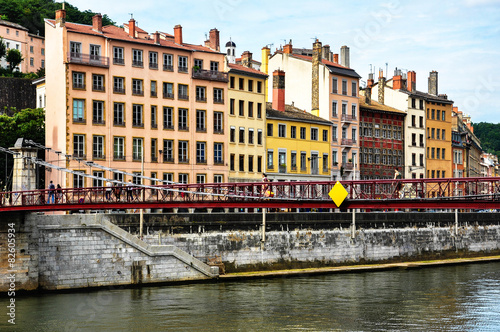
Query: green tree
x=14, y=58
x=3, y=48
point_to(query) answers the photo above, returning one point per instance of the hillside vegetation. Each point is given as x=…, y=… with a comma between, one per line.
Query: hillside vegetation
x=489, y=134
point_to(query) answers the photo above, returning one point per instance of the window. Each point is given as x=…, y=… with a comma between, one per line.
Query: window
x=281, y=130
x=334, y=158
x=270, y=157
x=137, y=115
x=303, y=162
x=183, y=178
x=231, y=82
x=334, y=109
x=118, y=84
x=75, y=49
x=32, y=62
x=421, y=137
x=334, y=134
x=201, y=149
x=201, y=93
x=232, y=134
x=119, y=148
x=414, y=139
x=421, y=104
x=242, y=135
x=413, y=103
x=443, y=155
x=78, y=80
x=259, y=164
x=168, y=90
x=443, y=136
x=183, y=64
x=183, y=119
x=413, y=159
x=250, y=136
x=231, y=106
x=325, y=135
x=218, y=153
x=78, y=180
x=154, y=116
x=259, y=136
x=137, y=87
x=97, y=82
x=168, y=118
x=241, y=109
x=79, y=146
x=293, y=132
x=118, y=114
x=314, y=134
x=201, y=178
x=200, y=120
x=413, y=120
x=241, y=162
x=218, y=96
x=183, y=152
x=98, y=182
x=421, y=159
x=432, y=132
x=269, y=129
x=231, y=162
x=168, y=151
x=325, y=162
x=218, y=178
x=421, y=122
x=98, y=147
x=98, y=112
x=218, y=122
x=214, y=66
x=250, y=109
x=118, y=56
x=334, y=85
x=354, y=88
x=137, y=58
x=168, y=62
x=250, y=85
x=443, y=117
x=198, y=63
x=154, y=150
x=250, y=163
x=293, y=160
x=43, y=63
x=153, y=60
x=438, y=114
x=183, y=92
x=259, y=87
x=137, y=149
x=433, y=114
x=154, y=92
x=78, y=110
x=344, y=87
x=302, y=132
x=433, y=154
x=241, y=84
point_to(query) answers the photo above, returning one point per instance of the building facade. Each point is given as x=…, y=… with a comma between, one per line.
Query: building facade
x=127, y=100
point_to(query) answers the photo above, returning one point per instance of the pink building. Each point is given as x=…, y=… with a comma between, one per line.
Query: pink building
x=118, y=97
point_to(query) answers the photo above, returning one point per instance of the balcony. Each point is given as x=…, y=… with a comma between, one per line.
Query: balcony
x=210, y=75
x=137, y=63
x=282, y=168
x=98, y=87
x=87, y=59
x=153, y=65
x=348, y=142
x=118, y=61
x=169, y=95
x=168, y=159
x=168, y=68
x=348, y=118
x=118, y=90
x=118, y=157
x=218, y=100
x=183, y=97
x=348, y=166
x=201, y=99
x=79, y=86
x=182, y=69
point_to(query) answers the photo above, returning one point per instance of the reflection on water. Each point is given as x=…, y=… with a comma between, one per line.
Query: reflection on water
x=456, y=298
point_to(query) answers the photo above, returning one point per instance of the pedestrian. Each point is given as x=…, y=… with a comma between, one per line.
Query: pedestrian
x=108, y=190
x=59, y=193
x=130, y=191
x=397, y=177
x=52, y=190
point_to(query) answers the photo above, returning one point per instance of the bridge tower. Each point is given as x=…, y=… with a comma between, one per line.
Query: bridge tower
x=24, y=173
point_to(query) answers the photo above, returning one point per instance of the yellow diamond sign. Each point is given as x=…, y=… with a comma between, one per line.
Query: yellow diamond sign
x=338, y=194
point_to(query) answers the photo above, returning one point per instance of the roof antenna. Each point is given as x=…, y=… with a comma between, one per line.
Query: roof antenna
x=386, y=68
x=131, y=16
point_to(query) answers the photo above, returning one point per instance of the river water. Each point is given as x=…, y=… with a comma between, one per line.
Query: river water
x=454, y=298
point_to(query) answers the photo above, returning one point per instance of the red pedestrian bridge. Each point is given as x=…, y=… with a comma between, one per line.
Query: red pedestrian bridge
x=450, y=193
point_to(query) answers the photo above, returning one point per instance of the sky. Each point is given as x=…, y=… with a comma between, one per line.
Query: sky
x=459, y=39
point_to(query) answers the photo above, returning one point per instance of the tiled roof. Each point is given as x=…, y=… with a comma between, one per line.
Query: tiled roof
x=424, y=95
x=246, y=69
x=376, y=106
x=295, y=114
x=136, y=28
x=116, y=33
x=13, y=25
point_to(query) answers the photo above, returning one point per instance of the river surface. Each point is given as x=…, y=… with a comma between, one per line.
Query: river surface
x=454, y=298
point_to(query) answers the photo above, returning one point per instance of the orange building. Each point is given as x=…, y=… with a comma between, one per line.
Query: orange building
x=32, y=47
x=123, y=98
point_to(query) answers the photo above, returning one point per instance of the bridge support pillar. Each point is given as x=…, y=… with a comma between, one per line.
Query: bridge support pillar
x=176, y=210
x=191, y=210
x=24, y=172
x=209, y=210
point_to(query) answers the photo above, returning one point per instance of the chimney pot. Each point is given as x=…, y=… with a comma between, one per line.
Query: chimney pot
x=412, y=81
x=433, y=83
x=178, y=34
x=316, y=60
x=279, y=90
x=288, y=48
x=61, y=16
x=336, y=58
x=344, y=56
x=246, y=59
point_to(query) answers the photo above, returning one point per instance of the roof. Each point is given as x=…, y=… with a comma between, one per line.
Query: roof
x=13, y=25
x=293, y=113
x=377, y=107
x=333, y=67
x=230, y=44
x=245, y=70
x=116, y=33
x=420, y=94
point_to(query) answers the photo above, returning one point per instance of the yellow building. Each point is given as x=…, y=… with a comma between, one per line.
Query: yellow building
x=297, y=142
x=438, y=126
x=246, y=122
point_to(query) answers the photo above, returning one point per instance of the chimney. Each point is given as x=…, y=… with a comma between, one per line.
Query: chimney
x=266, y=52
x=344, y=56
x=279, y=90
x=326, y=52
x=368, y=95
x=214, y=40
x=288, y=48
x=156, y=38
x=131, y=28
x=370, y=81
x=381, y=86
x=61, y=16
x=246, y=59
x=178, y=34
x=97, y=22
x=433, y=83
x=316, y=60
x=412, y=81
x=336, y=58
x=397, y=80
